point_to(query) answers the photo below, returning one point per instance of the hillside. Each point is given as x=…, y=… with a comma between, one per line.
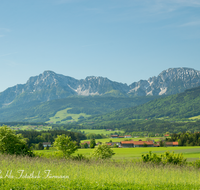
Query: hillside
x=80, y=106
x=179, y=106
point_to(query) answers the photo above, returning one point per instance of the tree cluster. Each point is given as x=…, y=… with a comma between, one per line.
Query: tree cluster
x=186, y=139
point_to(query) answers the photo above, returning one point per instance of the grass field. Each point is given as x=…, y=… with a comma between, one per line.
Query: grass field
x=63, y=114
x=52, y=174
x=191, y=153
x=99, y=131
x=195, y=118
x=31, y=127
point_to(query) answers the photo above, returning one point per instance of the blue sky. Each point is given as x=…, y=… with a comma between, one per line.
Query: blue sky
x=123, y=40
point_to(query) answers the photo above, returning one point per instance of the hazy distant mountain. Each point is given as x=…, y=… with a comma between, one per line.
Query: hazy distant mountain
x=49, y=85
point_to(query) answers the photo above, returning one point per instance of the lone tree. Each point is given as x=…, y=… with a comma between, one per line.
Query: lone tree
x=92, y=143
x=10, y=143
x=65, y=144
x=103, y=152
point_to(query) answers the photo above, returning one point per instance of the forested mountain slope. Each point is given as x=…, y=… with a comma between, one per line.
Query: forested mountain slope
x=183, y=105
x=41, y=112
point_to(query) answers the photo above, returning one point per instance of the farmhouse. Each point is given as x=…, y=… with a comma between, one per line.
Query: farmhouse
x=171, y=144
x=127, y=136
x=86, y=142
x=114, y=136
x=129, y=144
x=113, y=143
x=45, y=144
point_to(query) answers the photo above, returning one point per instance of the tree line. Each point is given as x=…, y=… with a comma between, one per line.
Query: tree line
x=186, y=138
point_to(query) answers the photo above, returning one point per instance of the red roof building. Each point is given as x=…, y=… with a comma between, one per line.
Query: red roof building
x=127, y=144
x=171, y=143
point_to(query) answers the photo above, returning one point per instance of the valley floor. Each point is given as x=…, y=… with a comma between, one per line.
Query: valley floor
x=191, y=153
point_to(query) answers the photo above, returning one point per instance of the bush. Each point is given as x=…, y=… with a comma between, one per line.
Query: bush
x=102, y=152
x=196, y=164
x=79, y=157
x=166, y=158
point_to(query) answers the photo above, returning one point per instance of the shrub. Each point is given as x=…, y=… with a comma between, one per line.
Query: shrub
x=196, y=163
x=102, y=152
x=166, y=158
x=79, y=157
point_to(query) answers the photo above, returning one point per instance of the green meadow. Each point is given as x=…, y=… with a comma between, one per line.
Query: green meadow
x=195, y=117
x=100, y=131
x=52, y=174
x=64, y=117
x=31, y=127
x=191, y=153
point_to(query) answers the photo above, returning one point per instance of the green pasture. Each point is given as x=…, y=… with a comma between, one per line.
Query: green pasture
x=100, y=131
x=195, y=117
x=63, y=114
x=31, y=127
x=191, y=153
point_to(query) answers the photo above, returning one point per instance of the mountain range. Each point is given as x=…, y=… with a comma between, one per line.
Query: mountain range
x=56, y=98
x=49, y=86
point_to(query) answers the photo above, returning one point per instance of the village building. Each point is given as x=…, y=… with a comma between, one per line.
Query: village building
x=86, y=142
x=113, y=143
x=45, y=144
x=127, y=136
x=114, y=136
x=171, y=144
x=131, y=144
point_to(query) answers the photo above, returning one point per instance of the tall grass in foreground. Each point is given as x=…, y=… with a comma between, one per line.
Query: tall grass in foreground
x=68, y=174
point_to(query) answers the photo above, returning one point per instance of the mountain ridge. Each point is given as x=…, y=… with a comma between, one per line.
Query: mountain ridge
x=50, y=85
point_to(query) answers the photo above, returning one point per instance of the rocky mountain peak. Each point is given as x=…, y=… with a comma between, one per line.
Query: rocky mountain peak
x=49, y=86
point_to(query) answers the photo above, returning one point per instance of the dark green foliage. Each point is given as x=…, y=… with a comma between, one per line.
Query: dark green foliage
x=36, y=137
x=85, y=145
x=186, y=139
x=95, y=136
x=166, y=158
x=162, y=144
x=67, y=118
x=183, y=105
x=41, y=112
x=40, y=146
x=10, y=143
x=92, y=143
x=145, y=145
